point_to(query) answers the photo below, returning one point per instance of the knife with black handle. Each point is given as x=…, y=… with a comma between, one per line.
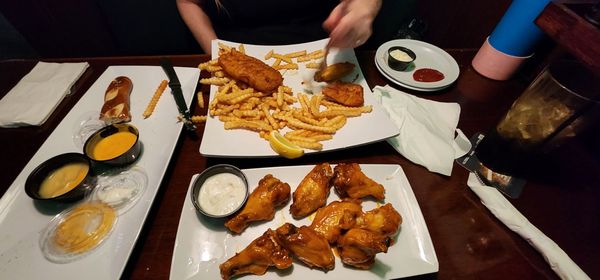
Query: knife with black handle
x=175, y=86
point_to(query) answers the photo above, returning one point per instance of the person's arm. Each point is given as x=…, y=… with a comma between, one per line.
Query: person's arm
x=198, y=22
x=350, y=22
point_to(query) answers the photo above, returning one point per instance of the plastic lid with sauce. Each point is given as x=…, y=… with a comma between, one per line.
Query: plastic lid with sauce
x=121, y=190
x=77, y=231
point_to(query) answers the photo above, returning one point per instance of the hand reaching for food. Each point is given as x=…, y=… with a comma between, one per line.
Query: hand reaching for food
x=261, y=204
x=261, y=254
x=350, y=22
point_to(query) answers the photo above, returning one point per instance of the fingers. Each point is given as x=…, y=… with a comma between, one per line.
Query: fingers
x=334, y=18
x=349, y=35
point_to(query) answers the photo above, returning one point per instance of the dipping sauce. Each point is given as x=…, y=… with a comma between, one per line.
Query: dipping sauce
x=428, y=75
x=63, y=179
x=222, y=194
x=400, y=55
x=113, y=145
x=84, y=227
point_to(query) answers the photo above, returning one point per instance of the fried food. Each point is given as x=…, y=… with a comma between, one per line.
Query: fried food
x=347, y=94
x=358, y=247
x=337, y=216
x=350, y=181
x=257, y=257
x=334, y=72
x=261, y=204
x=152, y=104
x=251, y=71
x=307, y=245
x=384, y=220
x=312, y=192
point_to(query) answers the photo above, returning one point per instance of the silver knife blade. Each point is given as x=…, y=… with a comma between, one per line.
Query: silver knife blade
x=175, y=86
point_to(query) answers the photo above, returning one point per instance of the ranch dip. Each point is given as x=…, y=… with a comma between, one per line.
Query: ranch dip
x=401, y=55
x=221, y=194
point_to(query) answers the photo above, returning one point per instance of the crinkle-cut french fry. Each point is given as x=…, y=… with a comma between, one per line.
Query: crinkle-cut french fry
x=298, y=132
x=198, y=119
x=297, y=123
x=289, y=99
x=269, y=118
x=264, y=135
x=304, y=58
x=279, y=98
x=269, y=55
x=276, y=63
x=282, y=57
x=296, y=54
x=225, y=110
x=242, y=49
x=219, y=74
x=289, y=66
x=154, y=100
x=224, y=47
x=313, y=65
x=308, y=145
x=304, y=118
x=250, y=125
x=303, y=102
x=321, y=137
x=316, y=54
x=234, y=94
x=226, y=88
x=315, y=104
x=240, y=99
x=214, y=81
x=229, y=118
x=246, y=113
x=213, y=68
x=200, y=99
x=285, y=89
x=348, y=112
x=300, y=138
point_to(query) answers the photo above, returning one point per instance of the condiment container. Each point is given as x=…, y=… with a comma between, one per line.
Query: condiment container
x=230, y=193
x=114, y=145
x=39, y=174
x=399, y=58
x=77, y=231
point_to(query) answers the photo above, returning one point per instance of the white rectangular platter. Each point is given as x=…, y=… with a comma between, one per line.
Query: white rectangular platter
x=202, y=244
x=370, y=127
x=22, y=221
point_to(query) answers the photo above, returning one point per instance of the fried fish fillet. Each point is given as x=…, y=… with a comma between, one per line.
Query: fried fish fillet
x=347, y=94
x=251, y=71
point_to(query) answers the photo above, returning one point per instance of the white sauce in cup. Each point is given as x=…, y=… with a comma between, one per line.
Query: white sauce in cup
x=221, y=194
x=401, y=55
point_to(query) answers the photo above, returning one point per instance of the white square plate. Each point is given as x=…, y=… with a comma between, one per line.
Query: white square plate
x=370, y=127
x=22, y=221
x=201, y=245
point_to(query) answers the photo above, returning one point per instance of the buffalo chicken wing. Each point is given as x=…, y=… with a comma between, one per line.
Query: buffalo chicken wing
x=350, y=181
x=312, y=192
x=307, y=245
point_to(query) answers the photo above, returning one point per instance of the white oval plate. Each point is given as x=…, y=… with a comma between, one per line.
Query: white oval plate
x=428, y=56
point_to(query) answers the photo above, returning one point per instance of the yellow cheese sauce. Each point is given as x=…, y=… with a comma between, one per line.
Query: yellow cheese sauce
x=63, y=179
x=84, y=227
x=113, y=145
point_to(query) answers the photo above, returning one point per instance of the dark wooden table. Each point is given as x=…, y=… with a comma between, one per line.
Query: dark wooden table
x=562, y=198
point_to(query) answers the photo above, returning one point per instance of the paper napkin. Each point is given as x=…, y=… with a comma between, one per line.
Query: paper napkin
x=36, y=95
x=427, y=129
x=505, y=212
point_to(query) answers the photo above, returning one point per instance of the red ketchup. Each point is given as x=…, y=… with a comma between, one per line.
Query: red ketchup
x=428, y=75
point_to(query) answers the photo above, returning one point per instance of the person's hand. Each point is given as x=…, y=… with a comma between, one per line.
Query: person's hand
x=350, y=22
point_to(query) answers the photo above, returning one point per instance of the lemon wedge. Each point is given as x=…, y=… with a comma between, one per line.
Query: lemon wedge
x=284, y=147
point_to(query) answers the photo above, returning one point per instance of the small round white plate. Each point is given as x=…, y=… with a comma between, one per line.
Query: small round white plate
x=428, y=56
x=405, y=85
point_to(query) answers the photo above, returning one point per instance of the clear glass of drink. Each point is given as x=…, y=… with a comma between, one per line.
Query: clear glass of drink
x=562, y=101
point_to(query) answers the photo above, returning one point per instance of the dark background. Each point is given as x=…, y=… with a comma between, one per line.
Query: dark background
x=76, y=28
